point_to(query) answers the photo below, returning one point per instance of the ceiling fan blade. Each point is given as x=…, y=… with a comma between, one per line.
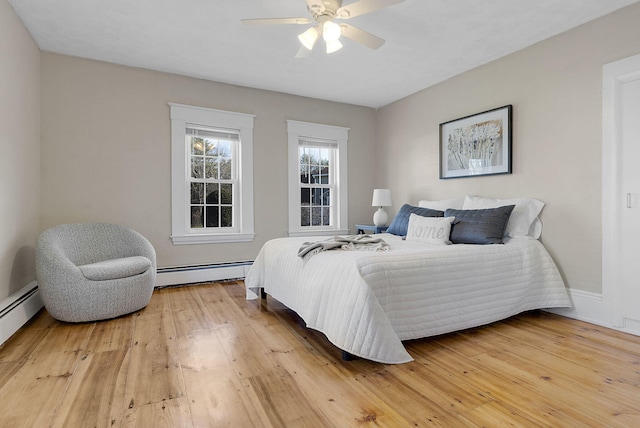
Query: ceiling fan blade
x=363, y=6
x=361, y=36
x=275, y=21
x=315, y=6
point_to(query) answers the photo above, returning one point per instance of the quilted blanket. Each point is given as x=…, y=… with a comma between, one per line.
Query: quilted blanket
x=367, y=303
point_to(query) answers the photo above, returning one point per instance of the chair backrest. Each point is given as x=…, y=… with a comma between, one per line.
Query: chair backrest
x=84, y=243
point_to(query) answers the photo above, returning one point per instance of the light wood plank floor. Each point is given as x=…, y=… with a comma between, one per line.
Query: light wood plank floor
x=202, y=356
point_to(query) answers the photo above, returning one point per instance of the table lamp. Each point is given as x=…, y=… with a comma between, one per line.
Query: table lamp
x=381, y=198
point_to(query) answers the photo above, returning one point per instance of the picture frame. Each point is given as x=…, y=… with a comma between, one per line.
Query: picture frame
x=477, y=145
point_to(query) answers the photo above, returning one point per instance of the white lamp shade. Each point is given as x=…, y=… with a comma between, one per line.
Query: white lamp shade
x=308, y=38
x=331, y=31
x=381, y=198
x=333, y=46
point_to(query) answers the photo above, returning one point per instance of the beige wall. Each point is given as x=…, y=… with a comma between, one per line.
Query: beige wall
x=556, y=89
x=105, y=144
x=20, y=152
x=106, y=151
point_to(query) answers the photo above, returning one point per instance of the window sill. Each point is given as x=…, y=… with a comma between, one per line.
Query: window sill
x=319, y=232
x=212, y=239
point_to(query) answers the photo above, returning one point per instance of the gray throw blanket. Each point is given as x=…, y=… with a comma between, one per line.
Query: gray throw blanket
x=347, y=242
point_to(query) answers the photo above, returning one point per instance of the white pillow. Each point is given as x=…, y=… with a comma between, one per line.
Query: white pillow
x=431, y=230
x=524, y=217
x=443, y=204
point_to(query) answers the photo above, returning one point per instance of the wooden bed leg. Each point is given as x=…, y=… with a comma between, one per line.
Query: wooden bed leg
x=263, y=294
x=347, y=356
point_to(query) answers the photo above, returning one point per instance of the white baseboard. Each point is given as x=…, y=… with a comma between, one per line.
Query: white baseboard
x=592, y=308
x=18, y=308
x=202, y=273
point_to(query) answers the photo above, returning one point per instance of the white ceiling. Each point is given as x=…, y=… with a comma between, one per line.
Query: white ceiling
x=427, y=41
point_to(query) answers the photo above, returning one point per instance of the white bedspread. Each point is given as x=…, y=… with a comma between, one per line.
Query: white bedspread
x=368, y=303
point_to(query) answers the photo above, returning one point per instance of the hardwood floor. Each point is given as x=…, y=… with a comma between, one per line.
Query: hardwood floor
x=203, y=356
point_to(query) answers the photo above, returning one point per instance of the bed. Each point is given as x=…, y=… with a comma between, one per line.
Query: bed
x=368, y=302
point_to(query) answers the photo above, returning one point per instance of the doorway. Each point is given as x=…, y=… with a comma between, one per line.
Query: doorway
x=621, y=192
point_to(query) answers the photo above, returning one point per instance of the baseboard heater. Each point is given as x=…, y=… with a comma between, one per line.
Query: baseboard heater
x=169, y=276
x=18, y=308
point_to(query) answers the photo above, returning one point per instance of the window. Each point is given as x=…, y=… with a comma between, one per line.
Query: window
x=317, y=182
x=317, y=179
x=212, y=176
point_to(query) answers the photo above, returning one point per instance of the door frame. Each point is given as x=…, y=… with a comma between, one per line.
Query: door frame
x=614, y=75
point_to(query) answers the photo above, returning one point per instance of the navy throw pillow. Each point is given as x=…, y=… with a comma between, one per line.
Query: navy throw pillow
x=400, y=222
x=479, y=226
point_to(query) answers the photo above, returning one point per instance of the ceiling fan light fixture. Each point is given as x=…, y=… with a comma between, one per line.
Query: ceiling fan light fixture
x=333, y=46
x=331, y=31
x=324, y=13
x=308, y=38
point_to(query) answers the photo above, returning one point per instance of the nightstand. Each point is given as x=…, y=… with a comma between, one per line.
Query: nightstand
x=370, y=228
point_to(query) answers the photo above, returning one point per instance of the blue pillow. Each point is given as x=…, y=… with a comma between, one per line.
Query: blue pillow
x=479, y=226
x=400, y=222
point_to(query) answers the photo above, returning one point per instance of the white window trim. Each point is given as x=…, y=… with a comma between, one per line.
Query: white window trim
x=296, y=130
x=181, y=232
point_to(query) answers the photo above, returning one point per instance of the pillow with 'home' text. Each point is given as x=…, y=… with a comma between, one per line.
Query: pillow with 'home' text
x=400, y=222
x=430, y=230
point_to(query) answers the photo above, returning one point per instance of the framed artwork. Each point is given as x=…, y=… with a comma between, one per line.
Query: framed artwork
x=475, y=145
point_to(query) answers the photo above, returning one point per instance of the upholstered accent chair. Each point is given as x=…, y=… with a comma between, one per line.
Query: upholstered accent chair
x=94, y=271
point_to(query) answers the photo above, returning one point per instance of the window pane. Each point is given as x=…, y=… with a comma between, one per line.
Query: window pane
x=305, y=196
x=305, y=216
x=304, y=156
x=225, y=169
x=212, y=216
x=196, y=167
x=324, y=175
x=314, y=156
x=324, y=157
x=316, y=197
x=212, y=149
x=316, y=216
x=314, y=171
x=304, y=174
x=326, y=196
x=226, y=193
x=211, y=168
x=226, y=214
x=212, y=193
x=326, y=216
x=197, y=193
x=197, y=219
x=197, y=146
x=224, y=148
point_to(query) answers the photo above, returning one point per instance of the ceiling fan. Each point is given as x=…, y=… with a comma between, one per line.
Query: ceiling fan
x=324, y=13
